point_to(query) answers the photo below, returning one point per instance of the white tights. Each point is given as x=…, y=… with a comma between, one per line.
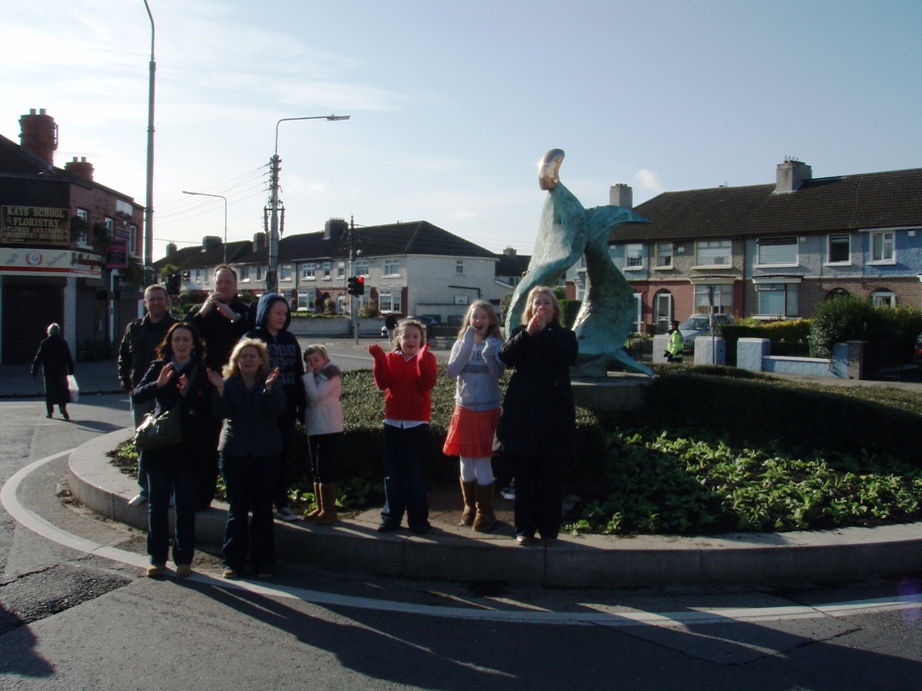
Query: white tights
x=479, y=469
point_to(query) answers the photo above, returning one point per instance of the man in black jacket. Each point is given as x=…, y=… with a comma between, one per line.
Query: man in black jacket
x=221, y=321
x=136, y=352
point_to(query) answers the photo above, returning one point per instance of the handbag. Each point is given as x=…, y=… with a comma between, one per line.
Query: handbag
x=159, y=431
x=73, y=388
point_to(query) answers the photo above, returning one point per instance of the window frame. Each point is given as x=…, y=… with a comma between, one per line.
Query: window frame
x=838, y=262
x=720, y=245
x=791, y=290
x=777, y=242
x=882, y=234
x=659, y=256
x=635, y=263
x=389, y=265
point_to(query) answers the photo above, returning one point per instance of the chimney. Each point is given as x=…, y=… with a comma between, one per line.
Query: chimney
x=39, y=135
x=334, y=227
x=509, y=252
x=81, y=168
x=259, y=241
x=171, y=249
x=210, y=242
x=621, y=195
x=791, y=175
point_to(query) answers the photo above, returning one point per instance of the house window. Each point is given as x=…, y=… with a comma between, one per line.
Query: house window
x=882, y=249
x=459, y=266
x=244, y=272
x=664, y=255
x=777, y=251
x=341, y=270
x=391, y=267
x=110, y=227
x=883, y=298
x=722, y=295
x=389, y=300
x=713, y=253
x=84, y=237
x=308, y=272
x=197, y=276
x=838, y=249
x=633, y=256
x=259, y=273
x=326, y=271
x=361, y=267
x=133, y=240
x=340, y=304
x=305, y=300
x=778, y=299
x=285, y=272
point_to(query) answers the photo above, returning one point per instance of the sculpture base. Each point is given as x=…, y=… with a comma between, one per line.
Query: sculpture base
x=617, y=391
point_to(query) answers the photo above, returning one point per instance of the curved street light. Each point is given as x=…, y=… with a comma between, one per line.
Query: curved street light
x=272, y=273
x=218, y=196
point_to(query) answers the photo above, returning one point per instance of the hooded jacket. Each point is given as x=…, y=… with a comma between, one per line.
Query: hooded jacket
x=284, y=353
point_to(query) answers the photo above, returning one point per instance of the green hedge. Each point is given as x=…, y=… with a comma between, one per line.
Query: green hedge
x=570, y=308
x=360, y=458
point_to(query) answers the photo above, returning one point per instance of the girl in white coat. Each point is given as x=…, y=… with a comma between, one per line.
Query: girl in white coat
x=324, y=425
x=478, y=399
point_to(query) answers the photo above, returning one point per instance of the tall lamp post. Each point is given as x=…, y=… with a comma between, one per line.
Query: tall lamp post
x=149, y=210
x=272, y=274
x=217, y=196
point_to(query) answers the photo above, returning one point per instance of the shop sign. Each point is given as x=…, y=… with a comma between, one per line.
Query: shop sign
x=34, y=225
x=35, y=261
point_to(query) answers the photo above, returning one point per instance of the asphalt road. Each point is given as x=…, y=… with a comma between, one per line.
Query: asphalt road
x=69, y=619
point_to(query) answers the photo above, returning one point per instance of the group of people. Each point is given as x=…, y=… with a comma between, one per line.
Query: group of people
x=239, y=383
x=535, y=426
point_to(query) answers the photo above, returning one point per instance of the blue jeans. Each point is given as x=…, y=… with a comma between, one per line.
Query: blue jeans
x=405, y=451
x=250, y=484
x=164, y=478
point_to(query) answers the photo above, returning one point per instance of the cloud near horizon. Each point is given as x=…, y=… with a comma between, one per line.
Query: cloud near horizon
x=648, y=180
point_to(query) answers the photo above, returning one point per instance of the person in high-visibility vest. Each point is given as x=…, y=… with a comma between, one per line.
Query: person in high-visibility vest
x=676, y=344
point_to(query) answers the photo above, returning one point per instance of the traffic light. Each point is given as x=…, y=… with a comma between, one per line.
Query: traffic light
x=356, y=285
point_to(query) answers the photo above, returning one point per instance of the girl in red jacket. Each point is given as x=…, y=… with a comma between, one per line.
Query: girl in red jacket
x=406, y=375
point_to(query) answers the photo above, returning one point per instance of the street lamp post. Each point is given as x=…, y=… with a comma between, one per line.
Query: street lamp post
x=272, y=273
x=149, y=210
x=217, y=196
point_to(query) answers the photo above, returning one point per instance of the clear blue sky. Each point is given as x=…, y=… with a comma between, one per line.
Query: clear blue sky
x=453, y=103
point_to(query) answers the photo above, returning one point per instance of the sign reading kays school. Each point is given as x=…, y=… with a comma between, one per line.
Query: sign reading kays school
x=34, y=225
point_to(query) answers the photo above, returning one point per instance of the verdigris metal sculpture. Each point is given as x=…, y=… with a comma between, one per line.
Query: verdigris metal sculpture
x=565, y=233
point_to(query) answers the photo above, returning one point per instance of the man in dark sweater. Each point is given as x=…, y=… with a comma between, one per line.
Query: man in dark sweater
x=221, y=320
x=136, y=352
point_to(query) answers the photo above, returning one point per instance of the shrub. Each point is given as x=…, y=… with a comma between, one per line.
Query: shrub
x=839, y=320
x=569, y=310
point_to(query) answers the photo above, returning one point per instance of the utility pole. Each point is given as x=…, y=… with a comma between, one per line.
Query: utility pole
x=149, y=206
x=353, y=299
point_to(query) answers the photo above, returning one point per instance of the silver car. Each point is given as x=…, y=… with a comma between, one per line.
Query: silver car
x=699, y=325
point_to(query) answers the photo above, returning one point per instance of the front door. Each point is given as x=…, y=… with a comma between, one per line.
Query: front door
x=662, y=311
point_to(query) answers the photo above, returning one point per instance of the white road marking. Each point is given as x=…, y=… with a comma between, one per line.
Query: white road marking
x=689, y=617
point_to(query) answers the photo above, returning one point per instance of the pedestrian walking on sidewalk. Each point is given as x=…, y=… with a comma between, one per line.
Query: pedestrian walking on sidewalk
x=54, y=358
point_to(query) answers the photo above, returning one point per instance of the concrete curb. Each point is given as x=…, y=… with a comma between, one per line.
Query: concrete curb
x=582, y=561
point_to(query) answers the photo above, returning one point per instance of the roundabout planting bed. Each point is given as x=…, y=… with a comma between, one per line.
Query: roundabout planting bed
x=713, y=450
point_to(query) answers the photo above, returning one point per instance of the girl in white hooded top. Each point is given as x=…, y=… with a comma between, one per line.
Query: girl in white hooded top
x=478, y=400
x=324, y=425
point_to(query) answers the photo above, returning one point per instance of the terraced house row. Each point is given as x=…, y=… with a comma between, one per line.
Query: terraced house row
x=774, y=251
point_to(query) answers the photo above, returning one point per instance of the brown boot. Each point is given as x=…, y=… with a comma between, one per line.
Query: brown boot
x=470, y=502
x=311, y=515
x=327, y=504
x=485, y=518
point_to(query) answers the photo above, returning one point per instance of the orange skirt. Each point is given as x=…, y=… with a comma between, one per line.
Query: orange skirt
x=470, y=433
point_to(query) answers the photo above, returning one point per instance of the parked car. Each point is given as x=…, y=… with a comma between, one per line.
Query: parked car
x=699, y=325
x=425, y=320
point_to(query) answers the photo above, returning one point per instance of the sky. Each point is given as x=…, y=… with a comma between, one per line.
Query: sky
x=452, y=104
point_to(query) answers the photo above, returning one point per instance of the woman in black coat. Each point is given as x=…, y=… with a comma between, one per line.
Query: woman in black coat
x=537, y=428
x=54, y=357
x=176, y=380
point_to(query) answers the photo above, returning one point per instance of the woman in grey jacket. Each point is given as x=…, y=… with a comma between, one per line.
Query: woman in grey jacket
x=250, y=403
